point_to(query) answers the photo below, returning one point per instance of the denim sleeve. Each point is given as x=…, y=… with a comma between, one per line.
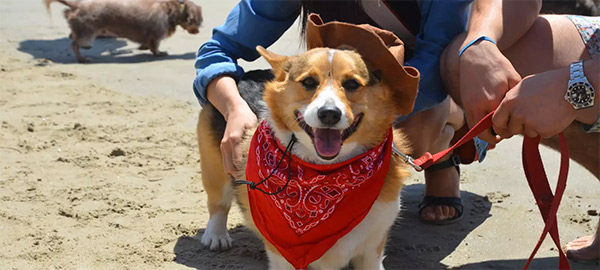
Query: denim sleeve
x=249, y=24
x=441, y=21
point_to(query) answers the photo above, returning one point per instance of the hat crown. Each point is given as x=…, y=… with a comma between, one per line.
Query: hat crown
x=383, y=50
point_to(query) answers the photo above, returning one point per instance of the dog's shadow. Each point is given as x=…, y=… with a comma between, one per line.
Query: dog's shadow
x=411, y=244
x=247, y=252
x=104, y=50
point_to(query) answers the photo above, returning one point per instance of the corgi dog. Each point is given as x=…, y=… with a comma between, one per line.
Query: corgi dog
x=333, y=108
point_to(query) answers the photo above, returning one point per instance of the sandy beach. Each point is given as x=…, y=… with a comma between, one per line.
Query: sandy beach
x=99, y=167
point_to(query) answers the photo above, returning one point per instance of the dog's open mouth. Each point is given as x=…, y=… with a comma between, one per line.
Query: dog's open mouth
x=328, y=142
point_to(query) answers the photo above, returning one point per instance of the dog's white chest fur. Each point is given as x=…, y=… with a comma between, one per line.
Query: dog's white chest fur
x=361, y=243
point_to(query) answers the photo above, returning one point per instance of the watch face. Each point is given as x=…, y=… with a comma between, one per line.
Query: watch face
x=580, y=94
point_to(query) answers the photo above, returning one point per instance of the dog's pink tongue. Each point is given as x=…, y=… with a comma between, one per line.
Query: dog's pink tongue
x=328, y=142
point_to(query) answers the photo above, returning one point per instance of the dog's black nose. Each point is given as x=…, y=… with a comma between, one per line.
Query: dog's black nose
x=329, y=114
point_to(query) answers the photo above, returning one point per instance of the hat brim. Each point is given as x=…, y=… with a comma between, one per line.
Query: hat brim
x=383, y=50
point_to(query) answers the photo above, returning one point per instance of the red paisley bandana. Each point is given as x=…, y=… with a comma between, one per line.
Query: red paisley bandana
x=321, y=203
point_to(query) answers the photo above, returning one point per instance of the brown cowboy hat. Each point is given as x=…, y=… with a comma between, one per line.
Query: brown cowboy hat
x=383, y=50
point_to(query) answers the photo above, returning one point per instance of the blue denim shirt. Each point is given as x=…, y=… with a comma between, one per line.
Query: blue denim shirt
x=260, y=22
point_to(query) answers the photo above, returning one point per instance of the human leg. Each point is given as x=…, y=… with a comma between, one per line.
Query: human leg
x=552, y=42
x=434, y=136
x=584, y=148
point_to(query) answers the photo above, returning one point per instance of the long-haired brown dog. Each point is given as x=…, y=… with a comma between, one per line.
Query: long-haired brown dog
x=332, y=107
x=144, y=21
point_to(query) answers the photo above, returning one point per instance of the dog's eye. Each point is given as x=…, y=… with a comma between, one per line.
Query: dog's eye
x=351, y=85
x=310, y=83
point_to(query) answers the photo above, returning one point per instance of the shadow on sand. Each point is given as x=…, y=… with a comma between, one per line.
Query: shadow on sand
x=541, y=264
x=104, y=50
x=406, y=248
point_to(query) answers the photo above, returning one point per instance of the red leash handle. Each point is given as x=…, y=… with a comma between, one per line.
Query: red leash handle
x=536, y=177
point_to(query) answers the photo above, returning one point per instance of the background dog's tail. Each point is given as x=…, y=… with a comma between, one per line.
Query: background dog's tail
x=68, y=3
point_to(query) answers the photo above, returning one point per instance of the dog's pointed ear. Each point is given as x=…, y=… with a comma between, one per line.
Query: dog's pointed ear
x=279, y=63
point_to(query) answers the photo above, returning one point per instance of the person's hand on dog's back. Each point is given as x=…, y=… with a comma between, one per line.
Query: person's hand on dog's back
x=485, y=77
x=224, y=95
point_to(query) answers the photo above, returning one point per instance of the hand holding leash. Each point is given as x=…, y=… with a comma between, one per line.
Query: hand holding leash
x=485, y=77
x=536, y=177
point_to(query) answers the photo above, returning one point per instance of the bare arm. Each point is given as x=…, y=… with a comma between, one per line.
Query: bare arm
x=485, y=74
x=222, y=92
x=505, y=27
x=536, y=106
x=249, y=24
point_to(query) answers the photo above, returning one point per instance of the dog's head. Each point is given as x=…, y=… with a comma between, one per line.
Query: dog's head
x=331, y=101
x=192, y=14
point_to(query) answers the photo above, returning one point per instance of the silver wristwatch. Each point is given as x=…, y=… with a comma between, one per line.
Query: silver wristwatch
x=580, y=92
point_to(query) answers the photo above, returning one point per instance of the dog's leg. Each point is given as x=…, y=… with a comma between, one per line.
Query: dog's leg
x=276, y=261
x=216, y=182
x=75, y=48
x=153, y=45
x=219, y=193
x=371, y=259
x=368, y=262
x=81, y=36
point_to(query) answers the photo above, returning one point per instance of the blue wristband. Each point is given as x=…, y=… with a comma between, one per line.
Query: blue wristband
x=473, y=42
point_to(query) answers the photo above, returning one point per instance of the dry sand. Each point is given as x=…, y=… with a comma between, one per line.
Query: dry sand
x=99, y=167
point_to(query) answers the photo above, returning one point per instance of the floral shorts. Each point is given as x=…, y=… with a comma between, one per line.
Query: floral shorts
x=589, y=29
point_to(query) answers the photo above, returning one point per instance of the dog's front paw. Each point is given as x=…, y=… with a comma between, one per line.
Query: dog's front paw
x=216, y=241
x=160, y=54
x=215, y=236
x=84, y=60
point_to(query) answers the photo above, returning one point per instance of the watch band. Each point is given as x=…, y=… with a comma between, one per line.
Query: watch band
x=580, y=93
x=577, y=70
x=577, y=73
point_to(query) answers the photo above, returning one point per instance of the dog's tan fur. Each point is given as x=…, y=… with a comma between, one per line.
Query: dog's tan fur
x=283, y=96
x=214, y=178
x=144, y=21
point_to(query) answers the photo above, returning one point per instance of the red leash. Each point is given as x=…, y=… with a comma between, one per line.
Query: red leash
x=538, y=182
x=536, y=177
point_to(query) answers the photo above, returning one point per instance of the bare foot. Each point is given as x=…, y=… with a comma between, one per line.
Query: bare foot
x=585, y=248
x=442, y=183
